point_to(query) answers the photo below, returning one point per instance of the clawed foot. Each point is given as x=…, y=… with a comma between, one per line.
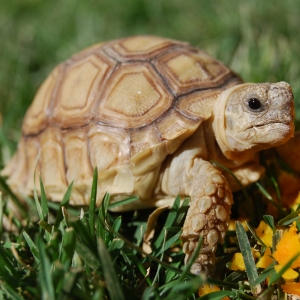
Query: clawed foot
x=208, y=215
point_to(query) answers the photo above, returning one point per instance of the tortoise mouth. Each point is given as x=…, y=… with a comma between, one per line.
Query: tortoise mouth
x=271, y=134
x=272, y=125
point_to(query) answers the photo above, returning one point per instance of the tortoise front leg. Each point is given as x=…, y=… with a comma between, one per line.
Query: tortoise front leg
x=208, y=215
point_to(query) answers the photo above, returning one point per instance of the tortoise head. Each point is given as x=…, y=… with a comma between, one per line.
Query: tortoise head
x=251, y=117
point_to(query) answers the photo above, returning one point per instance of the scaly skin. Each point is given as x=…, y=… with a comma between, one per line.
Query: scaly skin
x=208, y=215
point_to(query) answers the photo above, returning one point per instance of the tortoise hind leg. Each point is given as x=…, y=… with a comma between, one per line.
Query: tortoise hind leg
x=208, y=215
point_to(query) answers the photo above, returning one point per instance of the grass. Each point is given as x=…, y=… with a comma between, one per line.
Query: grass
x=84, y=255
x=59, y=252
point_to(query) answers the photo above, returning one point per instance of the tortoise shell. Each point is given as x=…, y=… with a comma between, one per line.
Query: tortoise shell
x=120, y=106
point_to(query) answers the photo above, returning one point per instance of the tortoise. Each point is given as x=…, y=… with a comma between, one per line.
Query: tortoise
x=151, y=114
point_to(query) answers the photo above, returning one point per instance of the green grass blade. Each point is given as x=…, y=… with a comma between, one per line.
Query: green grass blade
x=225, y=283
x=83, y=232
x=45, y=225
x=123, y=202
x=264, y=192
x=182, y=211
x=33, y=248
x=54, y=244
x=44, y=202
x=1, y=214
x=35, y=195
x=158, y=271
x=294, y=216
x=68, y=282
x=37, y=204
x=170, y=275
x=47, y=288
x=270, y=221
x=183, y=290
x=10, y=291
x=15, y=200
x=163, y=290
x=276, y=186
x=116, y=244
x=112, y=280
x=193, y=257
x=56, y=206
x=48, y=229
x=149, y=293
x=69, y=242
x=93, y=202
x=265, y=274
x=7, y=268
x=117, y=224
x=245, y=247
x=58, y=276
x=170, y=241
x=87, y=255
x=101, y=231
x=267, y=293
x=269, y=197
x=98, y=294
x=8, y=245
x=136, y=262
x=168, y=223
x=253, y=232
x=65, y=203
x=243, y=296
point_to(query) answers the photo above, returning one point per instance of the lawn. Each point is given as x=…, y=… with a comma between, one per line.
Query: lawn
x=260, y=40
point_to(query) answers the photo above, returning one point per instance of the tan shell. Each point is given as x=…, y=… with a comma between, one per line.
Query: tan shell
x=120, y=106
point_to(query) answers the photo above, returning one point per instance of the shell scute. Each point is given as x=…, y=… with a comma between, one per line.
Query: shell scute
x=148, y=159
x=199, y=104
x=134, y=97
x=143, y=139
x=78, y=91
x=108, y=147
x=52, y=162
x=32, y=163
x=78, y=165
x=186, y=70
x=138, y=47
x=175, y=128
x=118, y=180
x=36, y=118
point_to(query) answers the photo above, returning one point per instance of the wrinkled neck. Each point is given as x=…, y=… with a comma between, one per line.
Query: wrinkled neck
x=233, y=159
x=218, y=126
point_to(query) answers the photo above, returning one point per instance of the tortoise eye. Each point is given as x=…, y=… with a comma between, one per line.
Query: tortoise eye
x=254, y=104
